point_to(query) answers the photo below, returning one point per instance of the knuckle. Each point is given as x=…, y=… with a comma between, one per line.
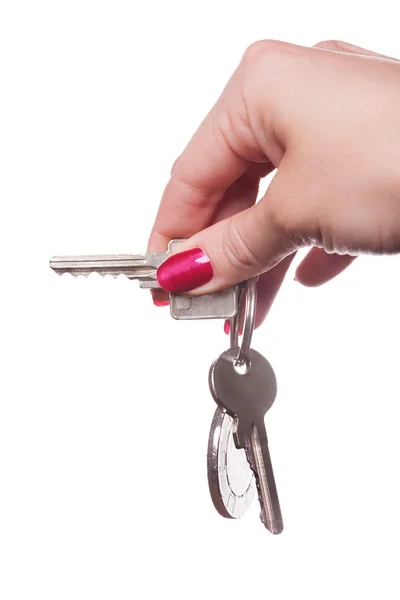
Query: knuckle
x=261, y=66
x=259, y=50
x=277, y=214
x=288, y=222
x=238, y=251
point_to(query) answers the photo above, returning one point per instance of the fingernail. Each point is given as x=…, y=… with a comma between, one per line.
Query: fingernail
x=227, y=328
x=185, y=271
x=160, y=302
x=174, y=165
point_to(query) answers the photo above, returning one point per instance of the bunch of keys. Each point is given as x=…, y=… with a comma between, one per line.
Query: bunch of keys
x=243, y=384
x=241, y=380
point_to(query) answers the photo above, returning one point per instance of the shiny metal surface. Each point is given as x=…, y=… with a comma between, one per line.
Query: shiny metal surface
x=249, y=296
x=235, y=321
x=247, y=398
x=230, y=478
x=134, y=266
x=219, y=305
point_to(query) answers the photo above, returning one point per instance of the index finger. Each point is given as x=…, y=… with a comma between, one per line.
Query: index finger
x=215, y=158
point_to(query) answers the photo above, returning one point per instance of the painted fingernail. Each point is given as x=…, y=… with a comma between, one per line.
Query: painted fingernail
x=227, y=328
x=185, y=271
x=160, y=302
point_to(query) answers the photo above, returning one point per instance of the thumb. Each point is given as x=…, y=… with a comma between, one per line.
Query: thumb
x=230, y=251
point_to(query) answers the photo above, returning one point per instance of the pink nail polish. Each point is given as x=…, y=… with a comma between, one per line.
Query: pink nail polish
x=185, y=271
x=227, y=328
x=160, y=302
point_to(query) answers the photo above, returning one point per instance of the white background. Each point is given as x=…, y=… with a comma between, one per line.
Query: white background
x=104, y=404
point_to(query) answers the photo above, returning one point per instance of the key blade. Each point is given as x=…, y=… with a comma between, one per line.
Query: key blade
x=260, y=462
x=133, y=266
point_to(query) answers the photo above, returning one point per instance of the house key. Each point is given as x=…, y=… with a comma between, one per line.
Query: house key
x=218, y=305
x=246, y=397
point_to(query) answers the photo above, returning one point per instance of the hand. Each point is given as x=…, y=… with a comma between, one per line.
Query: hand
x=327, y=118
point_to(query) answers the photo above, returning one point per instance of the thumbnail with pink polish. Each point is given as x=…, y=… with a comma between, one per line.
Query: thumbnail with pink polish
x=185, y=271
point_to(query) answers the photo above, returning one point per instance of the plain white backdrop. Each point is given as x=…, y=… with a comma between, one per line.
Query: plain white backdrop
x=104, y=402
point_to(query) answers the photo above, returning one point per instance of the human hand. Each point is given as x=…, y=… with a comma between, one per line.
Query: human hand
x=327, y=118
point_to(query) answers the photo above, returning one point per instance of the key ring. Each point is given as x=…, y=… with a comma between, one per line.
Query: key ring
x=249, y=320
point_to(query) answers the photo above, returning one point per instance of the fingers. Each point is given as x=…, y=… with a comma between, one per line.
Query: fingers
x=218, y=154
x=233, y=250
x=220, y=151
x=318, y=267
x=258, y=238
x=243, y=193
x=239, y=196
x=204, y=171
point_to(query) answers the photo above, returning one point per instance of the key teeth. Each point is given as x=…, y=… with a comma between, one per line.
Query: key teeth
x=263, y=519
x=60, y=273
x=259, y=494
x=267, y=524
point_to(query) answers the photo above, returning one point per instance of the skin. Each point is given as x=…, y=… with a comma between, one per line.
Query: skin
x=327, y=119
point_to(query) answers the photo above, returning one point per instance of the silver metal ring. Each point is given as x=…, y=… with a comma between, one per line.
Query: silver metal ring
x=249, y=320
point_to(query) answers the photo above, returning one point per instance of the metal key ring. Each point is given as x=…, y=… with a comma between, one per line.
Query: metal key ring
x=249, y=320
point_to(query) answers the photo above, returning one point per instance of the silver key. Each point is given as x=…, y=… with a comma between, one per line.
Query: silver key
x=134, y=266
x=230, y=478
x=247, y=398
x=219, y=305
